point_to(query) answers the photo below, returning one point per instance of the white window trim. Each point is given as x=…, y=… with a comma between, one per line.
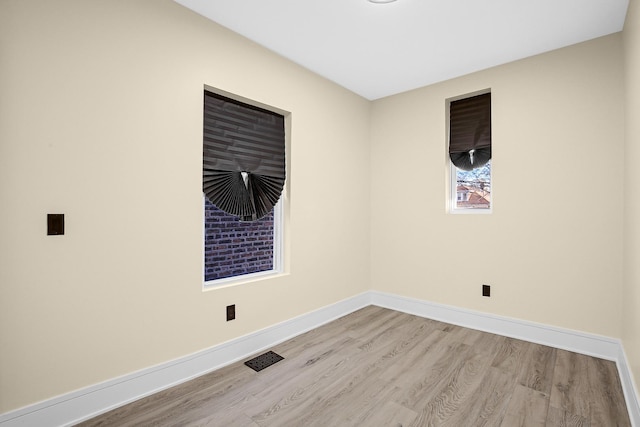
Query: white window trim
x=453, y=192
x=453, y=178
x=278, y=229
x=280, y=211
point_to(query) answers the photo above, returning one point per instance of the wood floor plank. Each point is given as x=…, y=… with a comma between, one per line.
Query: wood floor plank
x=388, y=414
x=420, y=386
x=537, y=370
x=527, y=407
x=224, y=386
x=482, y=342
x=379, y=367
x=510, y=355
x=454, y=391
x=226, y=419
x=488, y=405
x=532, y=363
x=293, y=366
x=342, y=409
x=366, y=322
x=588, y=387
x=302, y=399
x=608, y=404
x=368, y=362
x=570, y=382
x=559, y=418
x=416, y=358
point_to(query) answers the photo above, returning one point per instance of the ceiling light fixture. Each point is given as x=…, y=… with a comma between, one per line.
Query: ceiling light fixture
x=381, y=1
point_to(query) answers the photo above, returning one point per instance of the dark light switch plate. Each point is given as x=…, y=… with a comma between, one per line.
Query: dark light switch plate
x=55, y=224
x=231, y=312
x=486, y=290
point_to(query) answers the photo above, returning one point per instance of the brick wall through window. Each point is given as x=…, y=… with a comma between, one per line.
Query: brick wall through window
x=234, y=248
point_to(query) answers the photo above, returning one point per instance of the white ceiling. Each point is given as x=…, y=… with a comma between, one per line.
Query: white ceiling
x=376, y=50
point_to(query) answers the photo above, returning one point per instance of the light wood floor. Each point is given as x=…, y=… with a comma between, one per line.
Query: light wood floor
x=378, y=367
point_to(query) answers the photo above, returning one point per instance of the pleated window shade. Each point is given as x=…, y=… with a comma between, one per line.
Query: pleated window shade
x=470, y=132
x=243, y=157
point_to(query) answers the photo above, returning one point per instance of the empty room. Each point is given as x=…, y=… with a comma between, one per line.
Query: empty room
x=340, y=213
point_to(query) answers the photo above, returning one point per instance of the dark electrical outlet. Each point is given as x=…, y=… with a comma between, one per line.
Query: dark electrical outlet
x=55, y=224
x=486, y=290
x=231, y=312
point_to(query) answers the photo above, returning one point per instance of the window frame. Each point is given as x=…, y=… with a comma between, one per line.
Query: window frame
x=278, y=264
x=280, y=211
x=453, y=194
x=452, y=187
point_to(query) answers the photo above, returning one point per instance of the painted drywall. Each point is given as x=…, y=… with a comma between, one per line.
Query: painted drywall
x=631, y=319
x=101, y=119
x=552, y=248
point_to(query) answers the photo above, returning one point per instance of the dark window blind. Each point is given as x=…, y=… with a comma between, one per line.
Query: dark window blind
x=470, y=132
x=243, y=157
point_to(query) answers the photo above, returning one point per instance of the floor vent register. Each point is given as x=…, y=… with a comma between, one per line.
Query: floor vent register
x=263, y=361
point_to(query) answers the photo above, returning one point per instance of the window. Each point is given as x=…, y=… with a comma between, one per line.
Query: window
x=243, y=175
x=470, y=154
x=472, y=188
x=234, y=248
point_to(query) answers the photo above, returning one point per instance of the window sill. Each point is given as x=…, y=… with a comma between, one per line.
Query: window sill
x=471, y=211
x=240, y=280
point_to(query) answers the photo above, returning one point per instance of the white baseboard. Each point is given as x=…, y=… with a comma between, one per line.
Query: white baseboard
x=629, y=387
x=566, y=339
x=91, y=401
x=86, y=403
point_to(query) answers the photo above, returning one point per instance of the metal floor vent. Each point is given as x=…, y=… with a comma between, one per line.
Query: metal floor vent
x=263, y=361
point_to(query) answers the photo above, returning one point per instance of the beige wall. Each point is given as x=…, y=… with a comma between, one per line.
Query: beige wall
x=552, y=249
x=100, y=119
x=631, y=319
